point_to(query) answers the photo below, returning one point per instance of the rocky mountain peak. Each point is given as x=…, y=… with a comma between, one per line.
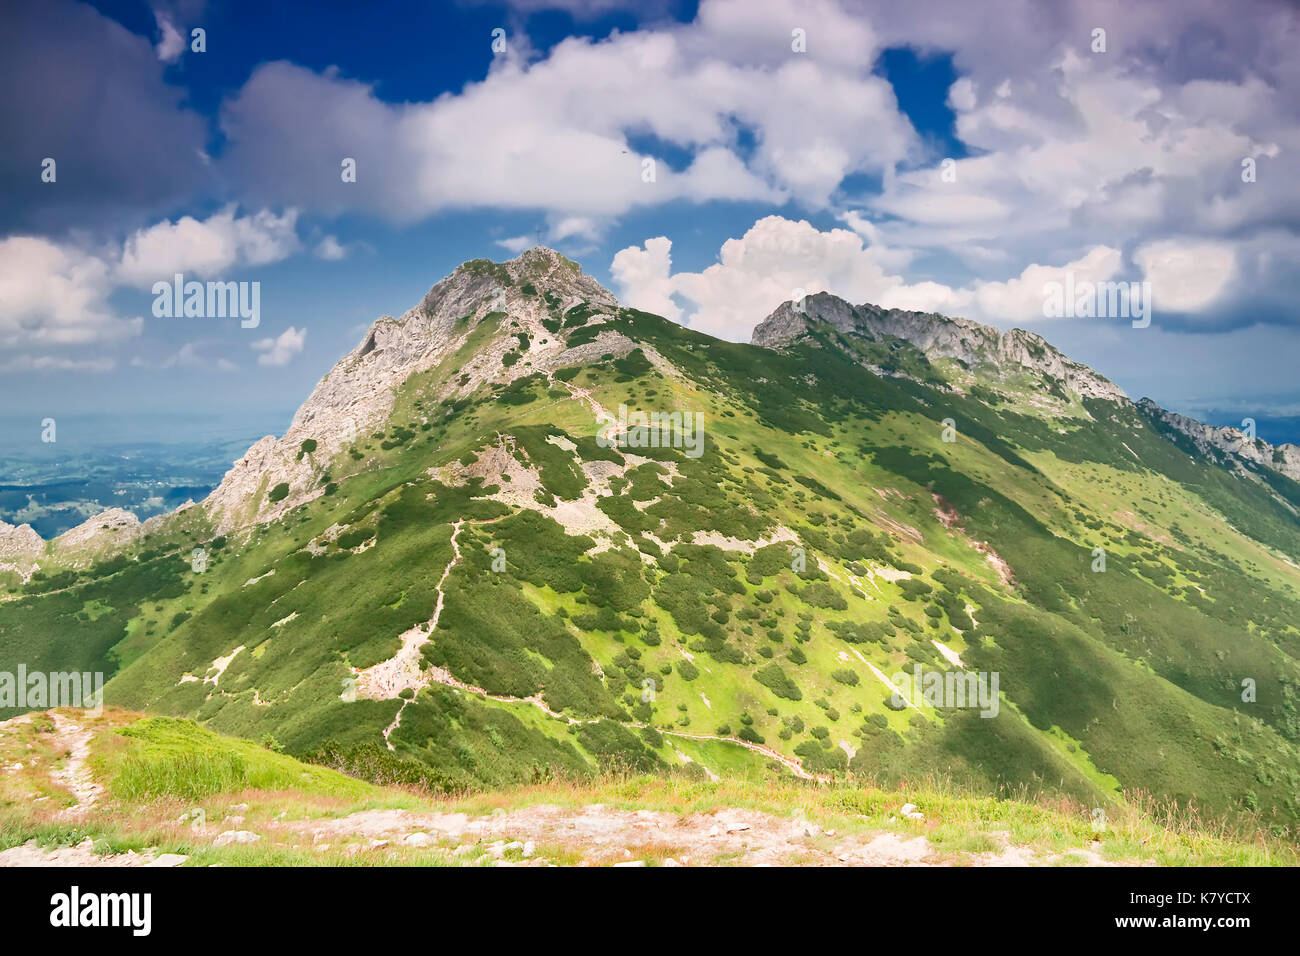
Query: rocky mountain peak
x=1284, y=459
x=357, y=396
x=937, y=336
x=947, y=337
x=535, y=271
x=20, y=546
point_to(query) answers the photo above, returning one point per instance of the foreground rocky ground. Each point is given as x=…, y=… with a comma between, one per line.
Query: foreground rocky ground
x=122, y=790
x=591, y=834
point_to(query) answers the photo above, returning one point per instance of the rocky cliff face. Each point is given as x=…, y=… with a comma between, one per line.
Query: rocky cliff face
x=358, y=394
x=1233, y=442
x=939, y=337
x=20, y=547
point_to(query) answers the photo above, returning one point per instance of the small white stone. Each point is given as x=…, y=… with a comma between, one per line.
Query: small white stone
x=235, y=836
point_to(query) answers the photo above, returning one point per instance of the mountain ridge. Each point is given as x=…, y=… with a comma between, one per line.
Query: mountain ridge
x=1283, y=458
x=411, y=342
x=973, y=343
x=938, y=336
x=354, y=394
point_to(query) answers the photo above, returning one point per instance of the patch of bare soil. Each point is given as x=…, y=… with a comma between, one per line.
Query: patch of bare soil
x=950, y=518
x=83, y=854
x=600, y=835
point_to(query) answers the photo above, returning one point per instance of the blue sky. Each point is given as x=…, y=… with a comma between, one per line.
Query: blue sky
x=954, y=159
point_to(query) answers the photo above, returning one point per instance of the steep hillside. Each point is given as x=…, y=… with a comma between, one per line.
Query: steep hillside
x=465, y=565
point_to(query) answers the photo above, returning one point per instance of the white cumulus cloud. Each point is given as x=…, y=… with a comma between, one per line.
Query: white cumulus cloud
x=208, y=247
x=778, y=259
x=281, y=349
x=52, y=294
x=330, y=249
x=1186, y=276
x=745, y=118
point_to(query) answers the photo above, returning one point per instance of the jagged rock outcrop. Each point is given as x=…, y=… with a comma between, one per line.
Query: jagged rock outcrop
x=20, y=547
x=357, y=396
x=1234, y=442
x=104, y=533
x=111, y=523
x=938, y=336
x=19, y=541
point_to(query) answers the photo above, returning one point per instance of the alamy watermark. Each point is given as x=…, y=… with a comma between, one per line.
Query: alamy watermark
x=1103, y=300
x=208, y=300
x=960, y=689
x=39, y=690
x=74, y=909
x=684, y=430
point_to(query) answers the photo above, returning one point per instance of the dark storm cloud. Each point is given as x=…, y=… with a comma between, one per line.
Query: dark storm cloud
x=86, y=92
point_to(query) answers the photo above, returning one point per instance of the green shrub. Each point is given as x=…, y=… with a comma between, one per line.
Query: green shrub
x=750, y=734
x=775, y=679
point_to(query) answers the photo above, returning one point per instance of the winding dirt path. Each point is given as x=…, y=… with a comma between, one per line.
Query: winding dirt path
x=387, y=679
x=74, y=774
x=790, y=763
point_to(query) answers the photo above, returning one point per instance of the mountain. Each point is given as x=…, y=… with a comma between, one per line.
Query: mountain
x=968, y=343
x=972, y=346
x=474, y=560
x=1231, y=446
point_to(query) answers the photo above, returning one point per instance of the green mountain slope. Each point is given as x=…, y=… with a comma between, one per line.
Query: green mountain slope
x=440, y=574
